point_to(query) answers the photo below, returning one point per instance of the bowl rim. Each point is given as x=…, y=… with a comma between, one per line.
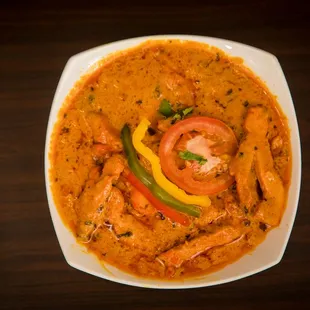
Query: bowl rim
x=131, y=42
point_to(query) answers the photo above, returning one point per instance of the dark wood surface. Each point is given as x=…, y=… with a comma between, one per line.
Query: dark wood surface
x=36, y=41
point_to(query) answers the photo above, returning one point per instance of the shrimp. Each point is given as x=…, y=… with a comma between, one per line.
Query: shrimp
x=189, y=250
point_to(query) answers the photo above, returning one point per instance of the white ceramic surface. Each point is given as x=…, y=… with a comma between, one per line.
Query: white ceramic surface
x=269, y=253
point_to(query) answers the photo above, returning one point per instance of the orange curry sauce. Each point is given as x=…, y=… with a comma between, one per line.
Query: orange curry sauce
x=89, y=166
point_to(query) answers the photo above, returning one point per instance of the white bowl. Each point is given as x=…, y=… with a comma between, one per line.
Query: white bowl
x=266, y=255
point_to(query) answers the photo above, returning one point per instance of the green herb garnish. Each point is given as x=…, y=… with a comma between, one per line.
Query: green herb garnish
x=187, y=155
x=182, y=113
x=187, y=111
x=165, y=108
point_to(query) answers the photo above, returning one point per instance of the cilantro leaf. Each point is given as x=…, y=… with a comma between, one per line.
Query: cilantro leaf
x=165, y=108
x=187, y=155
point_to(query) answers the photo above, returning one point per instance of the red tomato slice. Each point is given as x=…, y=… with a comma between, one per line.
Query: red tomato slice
x=184, y=178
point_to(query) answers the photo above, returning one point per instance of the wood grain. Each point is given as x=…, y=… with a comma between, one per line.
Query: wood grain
x=36, y=41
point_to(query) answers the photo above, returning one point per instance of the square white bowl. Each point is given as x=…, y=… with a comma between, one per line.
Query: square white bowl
x=267, y=254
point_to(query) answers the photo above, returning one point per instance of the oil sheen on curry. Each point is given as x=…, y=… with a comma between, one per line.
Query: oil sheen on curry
x=170, y=160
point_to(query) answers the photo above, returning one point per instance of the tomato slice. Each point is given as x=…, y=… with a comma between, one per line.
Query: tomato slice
x=213, y=128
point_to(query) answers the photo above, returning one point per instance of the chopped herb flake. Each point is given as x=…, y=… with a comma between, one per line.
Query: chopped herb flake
x=229, y=92
x=186, y=155
x=162, y=217
x=126, y=234
x=139, y=102
x=241, y=154
x=177, y=116
x=182, y=113
x=91, y=98
x=187, y=111
x=88, y=223
x=165, y=108
x=157, y=91
x=246, y=103
x=247, y=223
x=65, y=130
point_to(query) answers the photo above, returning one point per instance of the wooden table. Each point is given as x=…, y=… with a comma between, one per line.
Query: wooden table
x=36, y=42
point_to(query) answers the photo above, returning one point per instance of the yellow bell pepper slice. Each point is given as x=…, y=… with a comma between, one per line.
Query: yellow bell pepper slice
x=171, y=188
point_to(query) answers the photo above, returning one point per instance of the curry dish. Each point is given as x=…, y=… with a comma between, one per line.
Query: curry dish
x=170, y=160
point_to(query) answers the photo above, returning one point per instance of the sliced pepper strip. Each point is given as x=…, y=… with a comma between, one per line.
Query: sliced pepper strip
x=156, y=203
x=148, y=179
x=160, y=178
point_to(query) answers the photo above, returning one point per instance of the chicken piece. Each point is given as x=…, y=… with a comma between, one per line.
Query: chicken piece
x=101, y=151
x=103, y=133
x=256, y=126
x=228, y=252
x=256, y=122
x=164, y=124
x=93, y=176
x=127, y=228
x=95, y=197
x=141, y=204
x=145, y=239
x=90, y=205
x=269, y=211
x=232, y=207
x=276, y=145
x=241, y=169
x=189, y=250
x=255, y=152
x=114, y=166
x=183, y=89
x=115, y=206
x=209, y=215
